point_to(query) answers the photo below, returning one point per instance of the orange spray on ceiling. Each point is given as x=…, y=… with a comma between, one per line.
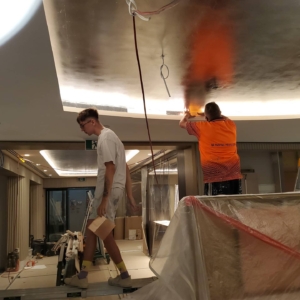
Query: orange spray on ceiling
x=211, y=57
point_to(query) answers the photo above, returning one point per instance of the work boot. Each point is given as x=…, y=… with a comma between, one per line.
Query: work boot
x=118, y=281
x=75, y=281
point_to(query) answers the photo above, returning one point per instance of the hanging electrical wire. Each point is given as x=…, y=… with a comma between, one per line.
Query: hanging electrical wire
x=133, y=11
x=143, y=93
x=162, y=74
x=145, y=15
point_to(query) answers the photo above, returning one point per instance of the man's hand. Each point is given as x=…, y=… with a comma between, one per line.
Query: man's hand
x=185, y=118
x=101, y=210
x=132, y=203
x=187, y=115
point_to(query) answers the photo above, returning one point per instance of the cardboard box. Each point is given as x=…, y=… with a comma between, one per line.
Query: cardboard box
x=120, y=228
x=102, y=227
x=133, y=223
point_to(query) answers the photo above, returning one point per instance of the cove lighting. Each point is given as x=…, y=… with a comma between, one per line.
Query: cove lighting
x=269, y=109
x=73, y=98
x=69, y=172
x=238, y=109
x=14, y=15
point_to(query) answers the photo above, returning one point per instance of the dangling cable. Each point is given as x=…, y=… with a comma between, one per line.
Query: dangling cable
x=162, y=74
x=145, y=15
x=143, y=92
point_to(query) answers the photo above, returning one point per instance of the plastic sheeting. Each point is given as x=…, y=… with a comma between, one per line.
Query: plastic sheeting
x=161, y=200
x=229, y=248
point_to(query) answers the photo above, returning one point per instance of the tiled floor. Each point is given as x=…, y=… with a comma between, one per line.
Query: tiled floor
x=136, y=262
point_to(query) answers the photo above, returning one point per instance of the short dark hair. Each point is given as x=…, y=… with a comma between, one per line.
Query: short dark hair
x=87, y=113
x=212, y=111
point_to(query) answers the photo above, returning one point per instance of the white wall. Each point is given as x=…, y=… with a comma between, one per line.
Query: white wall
x=3, y=221
x=260, y=161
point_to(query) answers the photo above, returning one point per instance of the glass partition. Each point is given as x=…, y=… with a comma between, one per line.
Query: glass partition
x=56, y=214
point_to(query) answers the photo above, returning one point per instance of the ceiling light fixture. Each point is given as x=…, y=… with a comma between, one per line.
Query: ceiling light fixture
x=45, y=170
x=21, y=159
x=130, y=154
x=14, y=15
x=26, y=155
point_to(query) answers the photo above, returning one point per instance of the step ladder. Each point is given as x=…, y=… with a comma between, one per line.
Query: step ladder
x=70, y=253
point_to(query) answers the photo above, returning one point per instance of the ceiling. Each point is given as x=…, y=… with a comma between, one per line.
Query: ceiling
x=96, y=65
x=267, y=65
x=78, y=163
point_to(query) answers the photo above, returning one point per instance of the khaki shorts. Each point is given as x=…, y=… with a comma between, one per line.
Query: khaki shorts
x=113, y=202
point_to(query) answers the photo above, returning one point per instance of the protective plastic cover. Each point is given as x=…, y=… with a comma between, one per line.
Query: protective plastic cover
x=229, y=248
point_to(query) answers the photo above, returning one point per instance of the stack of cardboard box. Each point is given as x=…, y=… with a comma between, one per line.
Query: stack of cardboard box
x=128, y=228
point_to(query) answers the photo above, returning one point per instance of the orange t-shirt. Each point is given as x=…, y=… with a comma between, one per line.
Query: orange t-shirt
x=218, y=151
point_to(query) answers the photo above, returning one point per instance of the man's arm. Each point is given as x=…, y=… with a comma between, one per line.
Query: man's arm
x=128, y=186
x=109, y=178
x=191, y=127
x=184, y=120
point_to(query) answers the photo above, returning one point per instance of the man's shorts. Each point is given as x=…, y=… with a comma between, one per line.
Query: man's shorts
x=113, y=202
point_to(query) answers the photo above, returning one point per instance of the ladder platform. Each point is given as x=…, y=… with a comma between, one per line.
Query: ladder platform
x=63, y=292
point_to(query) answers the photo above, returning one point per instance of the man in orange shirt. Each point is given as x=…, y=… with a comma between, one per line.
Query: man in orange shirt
x=218, y=152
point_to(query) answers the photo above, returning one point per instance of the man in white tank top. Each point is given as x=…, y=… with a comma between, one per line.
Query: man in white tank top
x=111, y=182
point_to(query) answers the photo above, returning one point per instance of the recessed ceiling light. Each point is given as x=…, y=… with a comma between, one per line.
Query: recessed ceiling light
x=45, y=170
x=149, y=154
x=50, y=174
x=26, y=155
x=136, y=163
x=38, y=164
